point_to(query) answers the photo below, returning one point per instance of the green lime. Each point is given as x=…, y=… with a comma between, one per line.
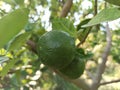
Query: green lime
x=75, y=69
x=56, y=49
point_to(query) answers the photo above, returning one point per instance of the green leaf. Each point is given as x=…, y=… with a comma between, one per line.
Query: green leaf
x=7, y=67
x=10, y=63
x=84, y=55
x=64, y=24
x=115, y=2
x=80, y=52
x=105, y=15
x=85, y=21
x=19, y=40
x=83, y=31
x=11, y=24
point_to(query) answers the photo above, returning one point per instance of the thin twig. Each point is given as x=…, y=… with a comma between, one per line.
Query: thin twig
x=110, y=82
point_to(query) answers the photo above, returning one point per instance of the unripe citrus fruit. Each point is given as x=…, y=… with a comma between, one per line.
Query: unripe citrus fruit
x=56, y=49
x=75, y=69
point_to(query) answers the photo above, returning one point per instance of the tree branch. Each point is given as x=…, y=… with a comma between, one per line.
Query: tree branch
x=102, y=65
x=32, y=46
x=81, y=83
x=66, y=8
x=110, y=82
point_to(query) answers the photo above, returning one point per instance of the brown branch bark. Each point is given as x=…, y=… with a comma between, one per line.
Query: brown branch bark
x=102, y=65
x=66, y=8
x=110, y=82
x=32, y=46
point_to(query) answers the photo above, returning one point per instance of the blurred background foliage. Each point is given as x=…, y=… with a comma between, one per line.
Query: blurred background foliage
x=28, y=73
